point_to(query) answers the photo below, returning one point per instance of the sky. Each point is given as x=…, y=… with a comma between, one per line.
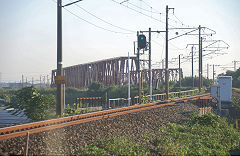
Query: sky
x=95, y=30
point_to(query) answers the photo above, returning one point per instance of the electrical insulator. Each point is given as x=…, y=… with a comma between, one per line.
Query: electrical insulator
x=142, y=41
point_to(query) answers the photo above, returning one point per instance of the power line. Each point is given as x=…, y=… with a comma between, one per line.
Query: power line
x=138, y=11
x=92, y=23
x=144, y=9
x=104, y=20
x=95, y=24
x=149, y=6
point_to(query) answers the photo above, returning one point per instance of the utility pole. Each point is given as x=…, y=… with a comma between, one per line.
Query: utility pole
x=201, y=65
x=166, y=70
x=44, y=80
x=150, y=60
x=163, y=64
x=207, y=71
x=40, y=80
x=32, y=81
x=26, y=81
x=59, y=106
x=129, y=99
x=235, y=62
x=192, y=69
x=213, y=73
x=139, y=74
x=166, y=64
x=22, y=81
x=180, y=75
x=47, y=81
x=150, y=65
x=199, y=45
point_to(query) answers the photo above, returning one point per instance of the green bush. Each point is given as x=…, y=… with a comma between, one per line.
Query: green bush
x=235, y=77
x=205, y=135
x=35, y=105
x=115, y=146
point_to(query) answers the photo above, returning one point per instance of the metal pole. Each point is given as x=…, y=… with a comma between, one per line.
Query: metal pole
x=235, y=65
x=139, y=75
x=207, y=71
x=201, y=65
x=163, y=64
x=179, y=63
x=106, y=102
x=150, y=65
x=213, y=73
x=47, y=81
x=22, y=81
x=128, y=80
x=134, y=49
x=59, y=106
x=199, y=68
x=64, y=94
x=192, y=69
x=40, y=80
x=166, y=70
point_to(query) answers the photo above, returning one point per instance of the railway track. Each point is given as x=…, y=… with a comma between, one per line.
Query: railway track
x=36, y=127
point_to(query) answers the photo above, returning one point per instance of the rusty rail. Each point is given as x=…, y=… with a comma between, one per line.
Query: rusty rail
x=36, y=127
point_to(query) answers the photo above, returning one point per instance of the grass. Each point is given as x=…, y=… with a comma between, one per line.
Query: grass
x=201, y=135
x=115, y=146
x=205, y=135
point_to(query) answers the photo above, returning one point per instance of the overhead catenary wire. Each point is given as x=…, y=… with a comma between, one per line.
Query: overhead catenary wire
x=118, y=32
x=100, y=27
x=139, y=12
x=149, y=6
x=155, y=12
x=104, y=20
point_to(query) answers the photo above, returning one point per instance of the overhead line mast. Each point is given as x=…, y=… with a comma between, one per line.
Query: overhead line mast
x=59, y=105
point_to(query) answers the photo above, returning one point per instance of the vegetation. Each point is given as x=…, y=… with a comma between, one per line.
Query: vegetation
x=97, y=89
x=235, y=77
x=236, y=98
x=35, y=105
x=187, y=81
x=115, y=146
x=38, y=96
x=201, y=135
x=205, y=135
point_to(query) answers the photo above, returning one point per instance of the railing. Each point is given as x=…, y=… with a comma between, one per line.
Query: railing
x=118, y=102
x=90, y=102
x=160, y=97
x=121, y=102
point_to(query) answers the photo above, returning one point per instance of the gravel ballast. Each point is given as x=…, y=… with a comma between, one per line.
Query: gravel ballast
x=68, y=140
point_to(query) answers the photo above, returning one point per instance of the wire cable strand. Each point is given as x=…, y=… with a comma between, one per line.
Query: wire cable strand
x=95, y=24
x=138, y=12
x=104, y=20
x=155, y=12
x=149, y=6
x=112, y=31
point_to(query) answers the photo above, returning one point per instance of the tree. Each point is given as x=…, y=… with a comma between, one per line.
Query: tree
x=96, y=89
x=235, y=77
x=32, y=103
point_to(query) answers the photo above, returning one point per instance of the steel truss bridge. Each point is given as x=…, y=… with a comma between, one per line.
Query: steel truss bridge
x=111, y=71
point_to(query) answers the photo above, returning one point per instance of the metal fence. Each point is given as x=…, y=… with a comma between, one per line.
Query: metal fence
x=121, y=102
x=90, y=102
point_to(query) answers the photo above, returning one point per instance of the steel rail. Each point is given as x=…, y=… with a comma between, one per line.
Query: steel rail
x=36, y=127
